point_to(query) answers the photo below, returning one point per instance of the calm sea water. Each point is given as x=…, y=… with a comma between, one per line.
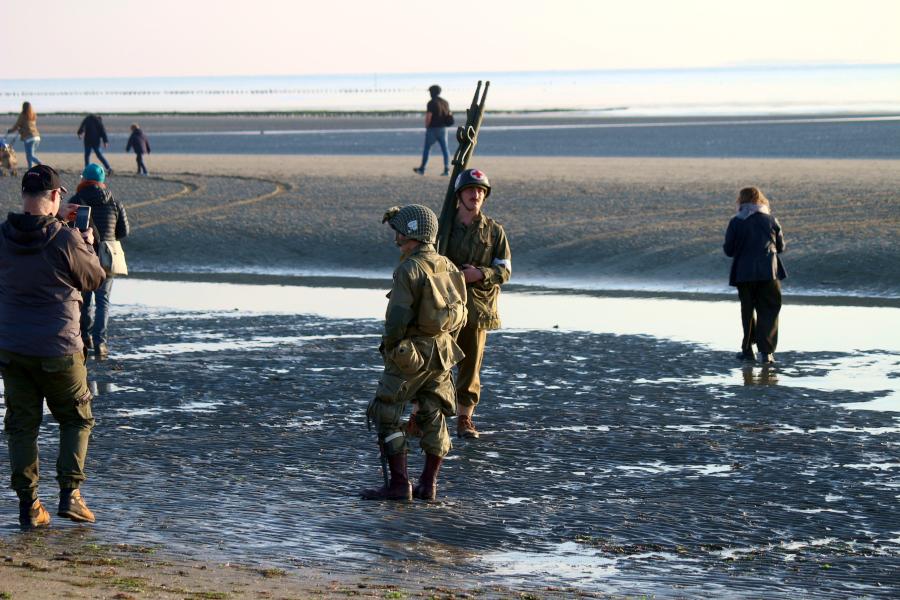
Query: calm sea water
x=737, y=90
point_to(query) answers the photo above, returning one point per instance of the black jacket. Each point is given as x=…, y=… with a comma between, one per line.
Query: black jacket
x=139, y=142
x=107, y=214
x=44, y=267
x=93, y=130
x=754, y=240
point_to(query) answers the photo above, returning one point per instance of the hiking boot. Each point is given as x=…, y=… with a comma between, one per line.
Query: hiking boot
x=426, y=489
x=766, y=358
x=419, y=170
x=102, y=350
x=746, y=355
x=465, y=428
x=72, y=506
x=32, y=514
x=399, y=488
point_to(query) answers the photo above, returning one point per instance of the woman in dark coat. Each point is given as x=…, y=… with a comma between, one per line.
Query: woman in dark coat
x=754, y=240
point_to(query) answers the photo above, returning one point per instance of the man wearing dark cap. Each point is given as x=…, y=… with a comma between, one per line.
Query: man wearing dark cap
x=44, y=267
x=437, y=118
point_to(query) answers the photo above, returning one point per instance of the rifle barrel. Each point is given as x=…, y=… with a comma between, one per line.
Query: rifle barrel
x=467, y=138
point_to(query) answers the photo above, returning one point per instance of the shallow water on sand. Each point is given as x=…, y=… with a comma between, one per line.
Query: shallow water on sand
x=614, y=457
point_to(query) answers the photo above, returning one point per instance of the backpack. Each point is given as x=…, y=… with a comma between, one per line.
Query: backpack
x=443, y=305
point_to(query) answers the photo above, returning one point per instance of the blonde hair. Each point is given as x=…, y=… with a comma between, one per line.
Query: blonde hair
x=28, y=111
x=752, y=195
x=134, y=126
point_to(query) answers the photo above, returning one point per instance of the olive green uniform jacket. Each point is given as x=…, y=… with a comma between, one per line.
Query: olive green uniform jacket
x=482, y=244
x=405, y=380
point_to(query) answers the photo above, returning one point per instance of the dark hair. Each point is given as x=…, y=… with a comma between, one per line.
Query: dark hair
x=434, y=90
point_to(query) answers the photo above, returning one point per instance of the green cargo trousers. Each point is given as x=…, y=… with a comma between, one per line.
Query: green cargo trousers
x=62, y=381
x=472, y=340
x=432, y=390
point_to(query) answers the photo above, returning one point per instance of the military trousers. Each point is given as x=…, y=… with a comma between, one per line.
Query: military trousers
x=62, y=381
x=471, y=340
x=432, y=390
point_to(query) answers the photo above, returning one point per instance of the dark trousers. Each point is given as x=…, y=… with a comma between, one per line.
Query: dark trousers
x=760, y=305
x=141, y=169
x=96, y=150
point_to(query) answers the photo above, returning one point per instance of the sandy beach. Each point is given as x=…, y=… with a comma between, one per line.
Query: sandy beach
x=229, y=443
x=627, y=223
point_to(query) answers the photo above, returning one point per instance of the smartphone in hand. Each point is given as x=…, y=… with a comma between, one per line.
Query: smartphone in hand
x=83, y=218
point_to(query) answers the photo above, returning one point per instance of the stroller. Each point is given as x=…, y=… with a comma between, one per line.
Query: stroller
x=8, y=161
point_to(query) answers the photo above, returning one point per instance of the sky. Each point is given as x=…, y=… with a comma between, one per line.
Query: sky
x=129, y=38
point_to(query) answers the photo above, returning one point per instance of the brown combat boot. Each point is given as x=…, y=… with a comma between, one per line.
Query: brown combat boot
x=426, y=489
x=399, y=489
x=33, y=514
x=465, y=427
x=72, y=506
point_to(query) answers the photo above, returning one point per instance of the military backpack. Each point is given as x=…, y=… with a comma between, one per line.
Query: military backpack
x=443, y=305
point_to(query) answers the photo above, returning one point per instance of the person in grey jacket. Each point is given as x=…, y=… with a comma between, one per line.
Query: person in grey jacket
x=111, y=222
x=754, y=240
x=44, y=267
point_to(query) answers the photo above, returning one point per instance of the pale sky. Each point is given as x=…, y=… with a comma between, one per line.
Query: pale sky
x=129, y=38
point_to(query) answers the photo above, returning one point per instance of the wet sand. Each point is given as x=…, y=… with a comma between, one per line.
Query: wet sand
x=615, y=464
x=627, y=223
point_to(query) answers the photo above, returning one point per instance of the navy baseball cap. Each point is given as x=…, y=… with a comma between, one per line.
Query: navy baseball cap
x=41, y=178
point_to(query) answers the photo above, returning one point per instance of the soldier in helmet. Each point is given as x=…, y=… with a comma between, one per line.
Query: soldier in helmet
x=426, y=309
x=478, y=246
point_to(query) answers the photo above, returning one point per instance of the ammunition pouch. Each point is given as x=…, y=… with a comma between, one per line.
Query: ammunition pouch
x=407, y=357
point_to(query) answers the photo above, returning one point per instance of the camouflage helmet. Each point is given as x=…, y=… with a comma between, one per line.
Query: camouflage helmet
x=471, y=177
x=414, y=221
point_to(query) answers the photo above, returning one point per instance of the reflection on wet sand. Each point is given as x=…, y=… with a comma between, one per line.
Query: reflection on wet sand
x=613, y=463
x=760, y=376
x=612, y=458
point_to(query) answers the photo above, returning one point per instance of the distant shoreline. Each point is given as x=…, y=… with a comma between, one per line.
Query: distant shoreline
x=617, y=112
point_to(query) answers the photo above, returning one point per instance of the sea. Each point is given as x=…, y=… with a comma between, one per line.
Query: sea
x=737, y=90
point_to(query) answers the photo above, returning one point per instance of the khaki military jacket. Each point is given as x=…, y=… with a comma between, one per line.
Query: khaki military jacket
x=482, y=244
x=410, y=278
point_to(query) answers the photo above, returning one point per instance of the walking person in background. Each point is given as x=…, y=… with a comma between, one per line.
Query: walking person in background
x=754, y=240
x=479, y=247
x=138, y=142
x=26, y=126
x=93, y=133
x=111, y=222
x=44, y=267
x=437, y=118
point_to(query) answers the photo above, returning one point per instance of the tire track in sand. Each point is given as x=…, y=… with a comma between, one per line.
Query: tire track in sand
x=186, y=188
x=280, y=188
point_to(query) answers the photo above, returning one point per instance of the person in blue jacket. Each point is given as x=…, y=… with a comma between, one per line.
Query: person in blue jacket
x=138, y=142
x=754, y=240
